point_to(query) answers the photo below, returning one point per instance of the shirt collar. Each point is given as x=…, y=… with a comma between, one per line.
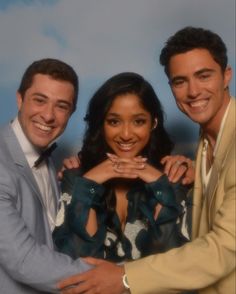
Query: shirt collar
x=221, y=129
x=29, y=150
x=206, y=141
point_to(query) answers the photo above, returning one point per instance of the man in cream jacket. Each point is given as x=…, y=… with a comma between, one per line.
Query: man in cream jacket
x=195, y=62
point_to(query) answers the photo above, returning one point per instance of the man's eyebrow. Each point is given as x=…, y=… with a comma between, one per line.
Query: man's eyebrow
x=40, y=94
x=204, y=70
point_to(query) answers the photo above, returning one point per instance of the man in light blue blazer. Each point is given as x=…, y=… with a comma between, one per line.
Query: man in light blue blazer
x=29, y=193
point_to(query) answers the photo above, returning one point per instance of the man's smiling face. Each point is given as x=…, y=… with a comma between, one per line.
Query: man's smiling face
x=45, y=109
x=199, y=86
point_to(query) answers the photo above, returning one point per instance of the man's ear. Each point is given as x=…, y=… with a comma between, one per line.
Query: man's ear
x=19, y=100
x=227, y=76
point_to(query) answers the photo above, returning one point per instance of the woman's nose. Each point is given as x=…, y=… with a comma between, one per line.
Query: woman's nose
x=126, y=133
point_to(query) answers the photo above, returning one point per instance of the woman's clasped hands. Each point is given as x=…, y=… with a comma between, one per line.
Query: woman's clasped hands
x=129, y=168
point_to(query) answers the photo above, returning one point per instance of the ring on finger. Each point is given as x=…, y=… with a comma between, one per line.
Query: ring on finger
x=116, y=164
x=185, y=164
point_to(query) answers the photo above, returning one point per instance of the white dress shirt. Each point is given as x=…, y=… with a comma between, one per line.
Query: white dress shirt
x=206, y=175
x=40, y=173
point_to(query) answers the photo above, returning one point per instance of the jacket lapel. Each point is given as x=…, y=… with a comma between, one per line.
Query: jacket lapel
x=20, y=160
x=198, y=194
x=227, y=139
x=203, y=206
x=54, y=182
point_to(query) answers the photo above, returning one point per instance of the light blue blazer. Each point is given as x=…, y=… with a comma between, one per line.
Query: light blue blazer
x=28, y=263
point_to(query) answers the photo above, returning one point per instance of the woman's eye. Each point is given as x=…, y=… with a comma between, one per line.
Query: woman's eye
x=140, y=122
x=112, y=122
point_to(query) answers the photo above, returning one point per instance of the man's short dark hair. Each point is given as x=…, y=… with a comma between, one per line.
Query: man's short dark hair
x=190, y=38
x=56, y=69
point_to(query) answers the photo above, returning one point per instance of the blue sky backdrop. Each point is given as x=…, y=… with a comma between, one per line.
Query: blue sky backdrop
x=100, y=38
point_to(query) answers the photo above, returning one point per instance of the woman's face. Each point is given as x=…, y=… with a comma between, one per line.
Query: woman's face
x=127, y=126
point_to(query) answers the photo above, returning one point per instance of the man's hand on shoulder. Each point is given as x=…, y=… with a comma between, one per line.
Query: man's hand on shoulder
x=68, y=163
x=179, y=167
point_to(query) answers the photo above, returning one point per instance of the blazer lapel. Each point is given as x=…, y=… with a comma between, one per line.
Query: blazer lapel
x=24, y=169
x=54, y=182
x=211, y=188
x=20, y=160
x=198, y=194
x=227, y=139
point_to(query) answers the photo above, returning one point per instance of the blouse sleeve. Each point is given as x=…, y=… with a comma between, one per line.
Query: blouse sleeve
x=163, y=192
x=166, y=229
x=71, y=237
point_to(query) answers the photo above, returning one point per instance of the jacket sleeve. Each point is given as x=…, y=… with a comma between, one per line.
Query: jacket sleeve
x=169, y=196
x=21, y=256
x=167, y=226
x=72, y=237
x=197, y=264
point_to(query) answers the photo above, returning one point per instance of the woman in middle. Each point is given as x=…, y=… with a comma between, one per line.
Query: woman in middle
x=119, y=205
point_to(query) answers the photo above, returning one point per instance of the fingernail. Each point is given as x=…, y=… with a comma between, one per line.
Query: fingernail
x=142, y=159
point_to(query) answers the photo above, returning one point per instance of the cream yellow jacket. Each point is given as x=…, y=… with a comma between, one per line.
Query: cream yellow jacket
x=208, y=262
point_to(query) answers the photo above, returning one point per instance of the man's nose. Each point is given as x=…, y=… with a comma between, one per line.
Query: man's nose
x=193, y=88
x=48, y=113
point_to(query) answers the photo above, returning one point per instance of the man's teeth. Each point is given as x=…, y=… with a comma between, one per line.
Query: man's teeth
x=199, y=103
x=43, y=127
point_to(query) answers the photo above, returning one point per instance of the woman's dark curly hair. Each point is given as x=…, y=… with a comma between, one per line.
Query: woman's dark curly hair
x=94, y=144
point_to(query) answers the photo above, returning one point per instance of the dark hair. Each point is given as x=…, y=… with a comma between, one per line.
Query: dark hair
x=94, y=145
x=55, y=68
x=190, y=38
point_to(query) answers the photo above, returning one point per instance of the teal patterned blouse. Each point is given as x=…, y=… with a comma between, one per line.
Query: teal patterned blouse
x=143, y=235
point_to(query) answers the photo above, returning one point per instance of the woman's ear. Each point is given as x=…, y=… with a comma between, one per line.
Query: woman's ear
x=155, y=123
